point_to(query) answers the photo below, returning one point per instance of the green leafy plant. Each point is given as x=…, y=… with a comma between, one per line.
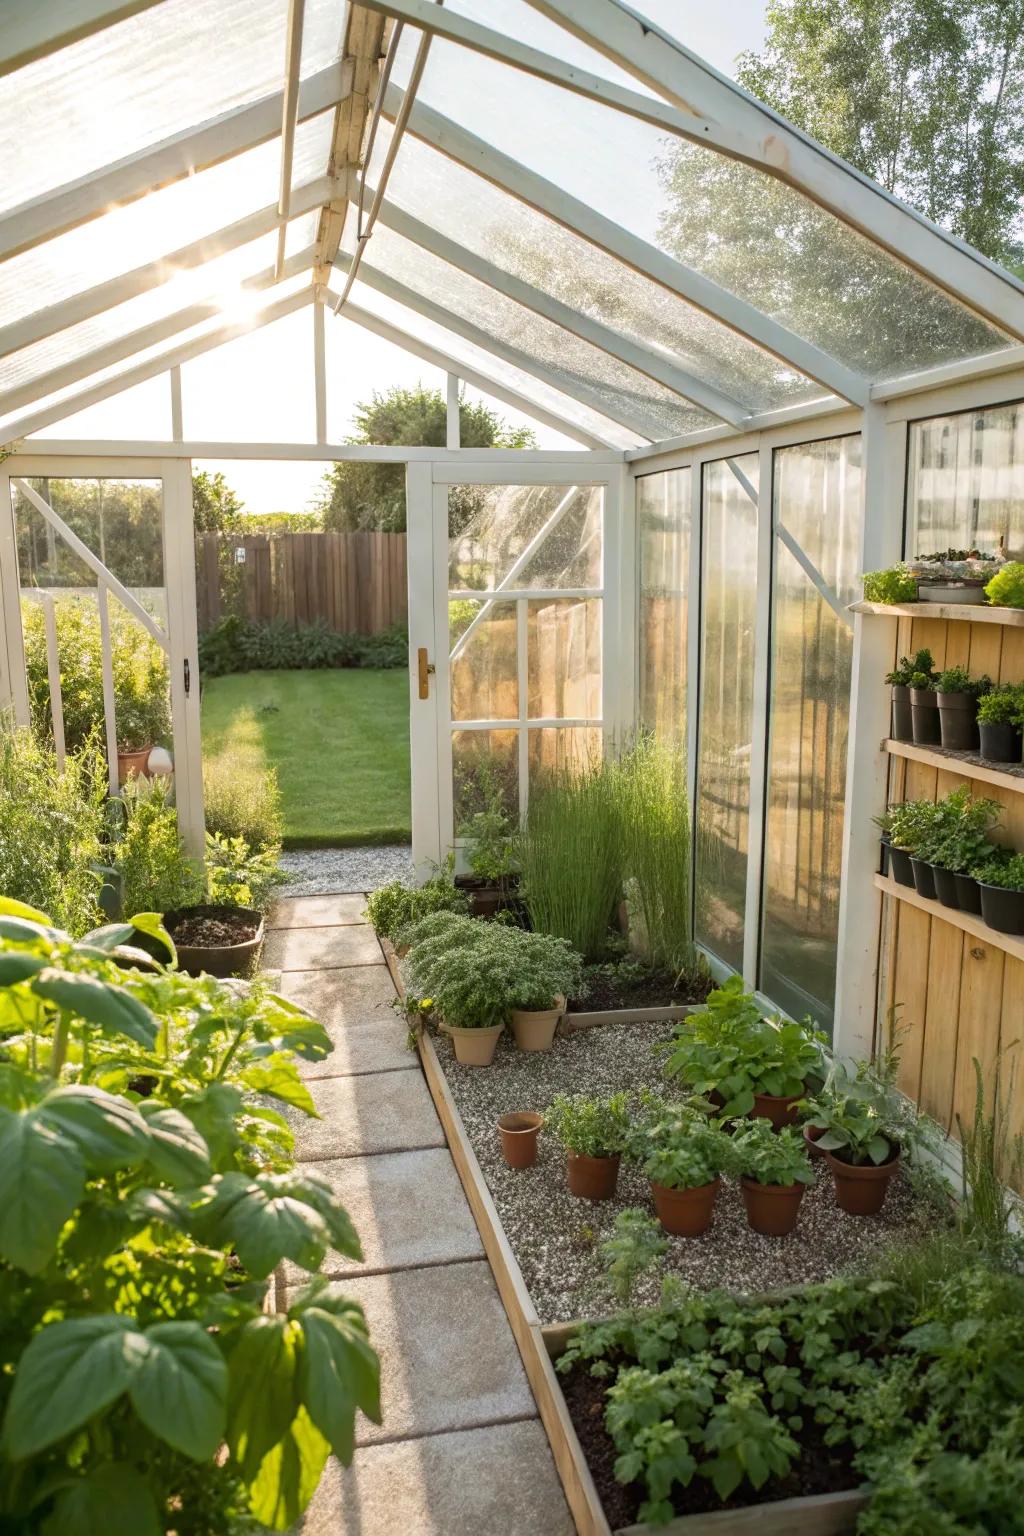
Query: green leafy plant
x=462, y=964
x=1003, y=869
x=680, y=1148
x=956, y=835
x=397, y=904
x=894, y=585
x=590, y=1127
x=239, y=876
x=540, y=968
x=637, y=1241
x=570, y=857
x=654, y=835
x=235, y=644
x=1002, y=705
x=959, y=680
x=921, y=663
x=1006, y=589
x=148, y=1191
x=769, y=1156
x=158, y=874
x=863, y=1115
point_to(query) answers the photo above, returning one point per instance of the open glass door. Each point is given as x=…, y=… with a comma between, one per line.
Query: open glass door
x=524, y=617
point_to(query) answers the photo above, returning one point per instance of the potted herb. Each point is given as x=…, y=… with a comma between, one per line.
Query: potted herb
x=954, y=844
x=924, y=709
x=897, y=837
x=468, y=988
x=1006, y=588
x=957, y=694
x=682, y=1155
x=1001, y=883
x=593, y=1132
x=865, y=1124
x=1000, y=717
x=892, y=586
x=953, y=575
x=899, y=679
x=543, y=972
x=493, y=872
x=774, y=1172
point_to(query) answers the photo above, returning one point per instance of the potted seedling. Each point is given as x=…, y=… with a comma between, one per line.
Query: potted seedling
x=593, y=1132
x=954, y=575
x=957, y=694
x=924, y=709
x=896, y=829
x=682, y=1155
x=892, y=586
x=899, y=678
x=1000, y=717
x=1001, y=883
x=774, y=1172
x=544, y=972
x=864, y=1124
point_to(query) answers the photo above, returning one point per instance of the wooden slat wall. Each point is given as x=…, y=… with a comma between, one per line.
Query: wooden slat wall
x=957, y=998
x=354, y=582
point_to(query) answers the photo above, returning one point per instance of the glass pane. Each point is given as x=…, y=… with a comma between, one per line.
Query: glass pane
x=729, y=578
x=225, y=394
x=481, y=761
x=524, y=536
x=483, y=660
x=663, y=539
x=817, y=500
x=563, y=651
x=121, y=522
x=966, y=482
x=556, y=748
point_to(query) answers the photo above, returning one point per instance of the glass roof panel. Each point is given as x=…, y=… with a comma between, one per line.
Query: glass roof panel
x=630, y=396
x=753, y=234
x=493, y=224
x=417, y=327
x=163, y=222
x=131, y=85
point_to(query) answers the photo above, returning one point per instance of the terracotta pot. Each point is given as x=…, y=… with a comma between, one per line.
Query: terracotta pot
x=771, y=1208
x=534, y=1029
x=812, y=1135
x=519, y=1134
x=685, y=1212
x=779, y=1109
x=861, y=1189
x=132, y=762
x=474, y=1047
x=592, y=1178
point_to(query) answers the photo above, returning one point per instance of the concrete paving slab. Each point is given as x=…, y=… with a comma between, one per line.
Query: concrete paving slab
x=448, y=1358
x=321, y=949
x=380, y=1046
x=376, y=1112
x=356, y=994
x=473, y=1482
x=317, y=911
x=408, y=1208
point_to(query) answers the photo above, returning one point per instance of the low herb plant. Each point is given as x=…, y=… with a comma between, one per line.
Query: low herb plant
x=1002, y=870
x=863, y=1115
x=679, y=1148
x=910, y=666
x=957, y=835
x=590, y=1127
x=1002, y=705
x=771, y=1157
x=893, y=585
x=397, y=904
x=240, y=876
x=959, y=680
x=541, y=969
x=1006, y=589
x=148, y=1188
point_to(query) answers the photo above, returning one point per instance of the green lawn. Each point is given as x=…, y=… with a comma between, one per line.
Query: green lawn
x=338, y=739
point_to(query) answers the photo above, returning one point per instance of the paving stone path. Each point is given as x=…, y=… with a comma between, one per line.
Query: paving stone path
x=461, y=1451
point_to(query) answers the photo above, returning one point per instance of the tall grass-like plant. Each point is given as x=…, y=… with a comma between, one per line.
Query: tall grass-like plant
x=240, y=800
x=569, y=854
x=654, y=832
x=992, y=1158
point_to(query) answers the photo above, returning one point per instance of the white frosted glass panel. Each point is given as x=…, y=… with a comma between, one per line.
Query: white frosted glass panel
x=966, y=482
x=484, y=677
x=141, y=412
x=563, y=650
x=663, y=549
x=256, y=388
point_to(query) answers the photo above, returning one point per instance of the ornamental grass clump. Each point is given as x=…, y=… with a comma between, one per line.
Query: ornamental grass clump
x=654, y=833
x=569, y=856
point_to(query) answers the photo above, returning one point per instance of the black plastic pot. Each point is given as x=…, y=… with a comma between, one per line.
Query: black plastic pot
x=885, y=870
x=902, y=714
x=958, y=721
x=924, y=711
x=999, y=743
x=945, y=887
x=1002, y=909
x=901, y=866
x=968, y=893
x=924, y=878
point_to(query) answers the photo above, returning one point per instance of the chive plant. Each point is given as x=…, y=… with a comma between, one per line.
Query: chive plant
x=569, y=856
x=654, y=832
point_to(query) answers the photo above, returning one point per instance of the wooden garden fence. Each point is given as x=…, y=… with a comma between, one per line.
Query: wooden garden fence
x=354, y=582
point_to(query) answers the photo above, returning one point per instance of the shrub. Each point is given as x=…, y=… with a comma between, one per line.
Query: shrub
x=157, y=872
x=397, y=904
x=242, y=801
x=895, y=585
x=590, y=1127
x=1002, y=705
x=52, y=822
x=240, y=876
x=911, y=666
x=1006, y=589
x=570, y=856
x=141, y=689
x=522, y=970
x=235, y=644
x=149, y=1190
x=769, y=1156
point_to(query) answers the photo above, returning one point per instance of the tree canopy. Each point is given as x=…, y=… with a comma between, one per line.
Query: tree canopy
x=216, y=508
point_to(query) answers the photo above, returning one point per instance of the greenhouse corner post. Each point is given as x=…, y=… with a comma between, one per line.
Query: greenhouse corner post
x=884, y=450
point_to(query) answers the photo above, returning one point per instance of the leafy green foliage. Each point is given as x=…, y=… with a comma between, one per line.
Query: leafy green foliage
x=235, y=644
x=1002, y=705
x=216, y=508
x=1006, y=589
x=157, y=872
x=680, y=1148
x=396, y=905
x=240, y=876
x=770, y=1156
x=910, y=666
x=591, y=1127
x=895, y=585
x=959, y=680
x=864, y=1116
x=951, y=832
x=1006, y=872
x=637, y=1240
x=147, y=1188
x=489, y=827
x=475, y=972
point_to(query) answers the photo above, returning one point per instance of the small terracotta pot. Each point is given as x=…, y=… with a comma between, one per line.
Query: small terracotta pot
x=779, y=1109
x=685, y=1212
x=519, y=1132
x=861, y=1189
x=771, y=1208
x=592, y=1178
x=475, y=1047
x=812, y=1135
x=132, y=762
x=534, y=1029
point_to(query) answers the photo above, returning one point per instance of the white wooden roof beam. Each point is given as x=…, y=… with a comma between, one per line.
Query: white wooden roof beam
x=34, y=28
x=289, y=121
x=181, y=155
x=684, y=79
x=467, y=149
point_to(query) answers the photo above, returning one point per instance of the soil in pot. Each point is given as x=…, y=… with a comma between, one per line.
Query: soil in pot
x=958, y=721
x=519, y=1132
x=1000, y=743
x=780, y=1110
x=592, y=1178
x=222, y=941
x=945, y=887
x=861, y=1188
x=902, y=724
x=968, y=894
x=924, y=878
x=924, y=708
x=902, y=868
x=474, y=1047
x=685, y=1212
x=1002, y=909
x=772, y=1209
x=534, y=1029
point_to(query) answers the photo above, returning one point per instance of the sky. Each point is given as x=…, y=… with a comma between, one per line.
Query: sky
x=259, y=387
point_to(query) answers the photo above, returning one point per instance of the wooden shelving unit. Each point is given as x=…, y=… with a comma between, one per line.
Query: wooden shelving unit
x=963, y=920
x=967, y=613
x=953, y=762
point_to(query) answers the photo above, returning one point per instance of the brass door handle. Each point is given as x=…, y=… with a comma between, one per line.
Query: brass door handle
x=424, y=670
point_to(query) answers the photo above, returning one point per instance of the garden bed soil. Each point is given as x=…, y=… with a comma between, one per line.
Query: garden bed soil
x=555, y=1237
x=606, y=987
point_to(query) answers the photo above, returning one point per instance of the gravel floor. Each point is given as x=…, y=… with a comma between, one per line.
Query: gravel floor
x=317, y=871
x=555, y=1236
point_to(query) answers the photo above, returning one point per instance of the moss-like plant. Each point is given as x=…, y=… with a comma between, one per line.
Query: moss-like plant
x=1006, y=589
x=909, y=667
x=893, y=585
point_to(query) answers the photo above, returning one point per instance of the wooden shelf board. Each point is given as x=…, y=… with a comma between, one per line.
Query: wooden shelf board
x=966, y=921
x=969, y=613
x=952, y=762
